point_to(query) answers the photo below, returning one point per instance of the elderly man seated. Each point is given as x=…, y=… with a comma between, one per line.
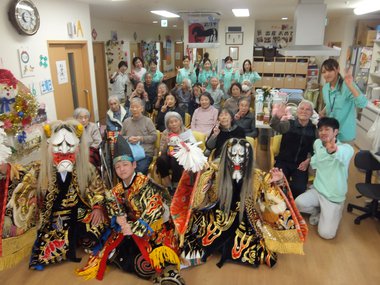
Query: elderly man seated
x=298, y=136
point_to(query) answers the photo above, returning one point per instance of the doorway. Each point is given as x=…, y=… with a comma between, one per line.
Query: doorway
x=70, y=72
x=101, y=80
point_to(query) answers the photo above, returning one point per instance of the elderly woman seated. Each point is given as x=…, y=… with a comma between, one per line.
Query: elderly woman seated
x=93, y=136
x=174, y=132
x=139, y=129
x=115, y=115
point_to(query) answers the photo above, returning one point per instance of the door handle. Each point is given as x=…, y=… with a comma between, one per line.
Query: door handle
x=88, y=99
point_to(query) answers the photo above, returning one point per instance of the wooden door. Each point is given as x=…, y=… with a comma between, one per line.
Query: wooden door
x=101, y=80
x=134, y=50
x=178, y=54
x=70, y=71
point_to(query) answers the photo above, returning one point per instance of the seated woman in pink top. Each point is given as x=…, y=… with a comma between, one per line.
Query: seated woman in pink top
x=204, y=117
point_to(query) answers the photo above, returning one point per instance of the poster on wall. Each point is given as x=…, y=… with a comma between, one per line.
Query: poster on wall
x=62, y=72
x=27, y=69
x=277, y=35
x=203, y=31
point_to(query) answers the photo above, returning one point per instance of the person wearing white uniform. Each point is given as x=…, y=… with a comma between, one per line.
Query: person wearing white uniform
x=119, y=81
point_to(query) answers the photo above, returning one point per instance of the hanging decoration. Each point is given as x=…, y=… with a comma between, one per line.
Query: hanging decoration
x=18, y=106
x=203, y=30
x=94, y=34
x=148, y=51
x=43, y=61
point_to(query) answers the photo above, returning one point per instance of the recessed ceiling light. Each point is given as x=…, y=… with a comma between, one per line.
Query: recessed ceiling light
x=165, y=14
x=155, y=22
x=367, y=7
x=284, y=18
x=241, y=12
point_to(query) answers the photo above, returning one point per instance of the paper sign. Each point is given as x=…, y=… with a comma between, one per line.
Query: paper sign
x=62, y=72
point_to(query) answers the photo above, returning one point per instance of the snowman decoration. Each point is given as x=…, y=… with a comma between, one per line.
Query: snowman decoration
x=8, y=91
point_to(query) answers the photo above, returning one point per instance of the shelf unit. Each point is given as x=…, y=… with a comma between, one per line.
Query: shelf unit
x=281, y=72
x=371, y=112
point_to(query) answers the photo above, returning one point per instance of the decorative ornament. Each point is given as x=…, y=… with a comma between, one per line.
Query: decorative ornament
x=94, y=34
x=79, y=130
x=18, y=106
x=43, y=61
x=47, y=130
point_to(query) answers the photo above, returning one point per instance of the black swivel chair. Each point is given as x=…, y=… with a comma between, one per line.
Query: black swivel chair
x=365, y=161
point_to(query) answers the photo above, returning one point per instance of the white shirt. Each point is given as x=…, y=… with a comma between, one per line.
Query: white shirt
x=118, y=86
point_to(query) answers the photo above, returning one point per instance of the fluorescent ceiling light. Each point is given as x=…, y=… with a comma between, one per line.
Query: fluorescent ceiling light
x=241, y=12
x=367, y=7
x=165, y=14
x=155, y=22
x=284, y=18
x=174, y=26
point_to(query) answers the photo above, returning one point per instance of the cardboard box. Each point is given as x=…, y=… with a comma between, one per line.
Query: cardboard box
x=371, y=36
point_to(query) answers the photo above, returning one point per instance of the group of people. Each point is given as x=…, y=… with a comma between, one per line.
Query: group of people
x=244, y=213
x=325, y=147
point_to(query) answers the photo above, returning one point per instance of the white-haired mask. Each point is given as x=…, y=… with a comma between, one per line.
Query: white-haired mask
x=237, y=153
x=64, y=146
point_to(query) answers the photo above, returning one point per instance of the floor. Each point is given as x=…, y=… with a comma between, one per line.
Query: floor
x=353, y=257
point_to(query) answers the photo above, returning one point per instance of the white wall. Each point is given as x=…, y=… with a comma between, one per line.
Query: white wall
x=54, y=16
x=342, y=30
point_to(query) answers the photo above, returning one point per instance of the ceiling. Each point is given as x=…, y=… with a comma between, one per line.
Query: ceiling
x=138, y=11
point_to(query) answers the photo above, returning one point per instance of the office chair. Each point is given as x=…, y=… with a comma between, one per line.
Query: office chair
x=364, y=160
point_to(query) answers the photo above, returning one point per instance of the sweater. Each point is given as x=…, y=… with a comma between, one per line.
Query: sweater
x=93, y=135
x=217, y=142
x=204, y=120
x=297, y=140
x=144, y=127
x=248, y=124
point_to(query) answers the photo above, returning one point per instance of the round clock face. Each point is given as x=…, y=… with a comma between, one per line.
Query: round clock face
x=24, y=15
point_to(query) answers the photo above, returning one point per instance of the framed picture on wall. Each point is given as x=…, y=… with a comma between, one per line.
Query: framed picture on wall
x=234, y=53
x=235, y=38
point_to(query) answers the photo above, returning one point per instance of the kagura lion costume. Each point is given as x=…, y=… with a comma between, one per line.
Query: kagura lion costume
x=71, y=193
x=243, y=213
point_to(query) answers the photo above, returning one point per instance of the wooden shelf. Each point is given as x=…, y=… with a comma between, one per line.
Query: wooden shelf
x=282, y=72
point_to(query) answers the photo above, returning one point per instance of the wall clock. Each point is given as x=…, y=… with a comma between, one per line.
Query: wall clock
x=24, y=16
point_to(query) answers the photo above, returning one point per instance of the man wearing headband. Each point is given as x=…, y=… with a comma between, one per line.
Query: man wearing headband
x=142, y=240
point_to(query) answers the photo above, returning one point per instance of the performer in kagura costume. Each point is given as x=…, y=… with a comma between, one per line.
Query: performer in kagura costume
x=17, y=208
x=72, y=196
x=243, y=213
x=142, y=237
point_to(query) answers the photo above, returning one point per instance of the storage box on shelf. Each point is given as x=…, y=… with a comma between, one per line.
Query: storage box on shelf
x=281, y=72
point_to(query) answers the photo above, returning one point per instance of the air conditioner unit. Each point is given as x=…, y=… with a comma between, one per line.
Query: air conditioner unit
x=200, y=14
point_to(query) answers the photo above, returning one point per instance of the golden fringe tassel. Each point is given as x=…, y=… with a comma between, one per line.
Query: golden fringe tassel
x=163, y=254
x=157, y=225
x=283, y=241
x=17, y=248
x=91, y=269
